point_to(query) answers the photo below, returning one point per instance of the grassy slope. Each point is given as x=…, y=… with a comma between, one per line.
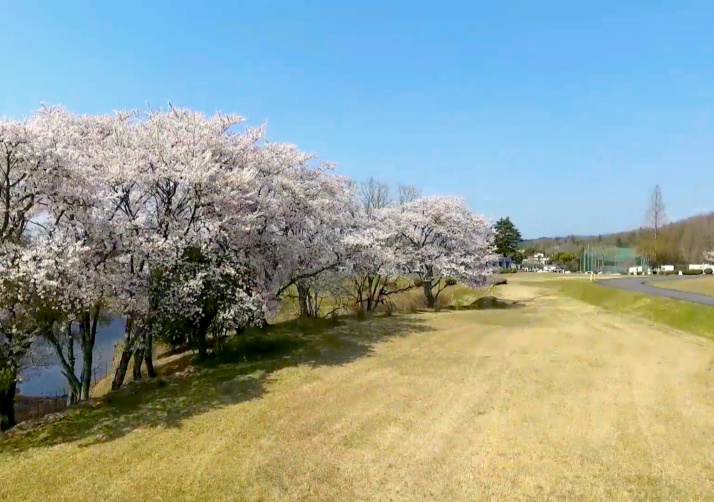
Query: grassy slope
x=703, y=285
x=411, y=301
x=556, y=399
x=690, y=317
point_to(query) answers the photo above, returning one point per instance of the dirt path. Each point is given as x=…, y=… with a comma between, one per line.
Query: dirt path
x=553, y=401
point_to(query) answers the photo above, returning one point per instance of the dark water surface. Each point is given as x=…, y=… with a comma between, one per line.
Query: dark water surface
x=49, y=381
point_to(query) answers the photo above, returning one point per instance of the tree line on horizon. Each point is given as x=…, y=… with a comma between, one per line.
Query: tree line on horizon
x=690, y=240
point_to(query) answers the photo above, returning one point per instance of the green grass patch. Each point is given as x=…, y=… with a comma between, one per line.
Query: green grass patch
x=690, y=317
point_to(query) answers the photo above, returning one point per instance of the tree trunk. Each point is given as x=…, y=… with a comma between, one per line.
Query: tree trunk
x=303, y=298
x=377, y=292
x=200, y=332
x=67, y=364
x=149, y=354
x=368, y=307
x=86, y=374
x=7, y=405
x=359, y=289
x=429, y=294
x=71, y=397
x=87, y=358
x=439, y=289
x=72, y=382
x=200, y=337
x=120, y=373
x=138, y=358
x=70, y=349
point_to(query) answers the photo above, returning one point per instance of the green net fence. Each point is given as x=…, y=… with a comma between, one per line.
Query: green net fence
x=611, y=259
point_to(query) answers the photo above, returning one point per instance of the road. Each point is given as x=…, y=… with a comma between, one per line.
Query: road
x=639, y=284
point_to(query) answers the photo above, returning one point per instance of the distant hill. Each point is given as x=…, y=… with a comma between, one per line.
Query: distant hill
x=684, y=240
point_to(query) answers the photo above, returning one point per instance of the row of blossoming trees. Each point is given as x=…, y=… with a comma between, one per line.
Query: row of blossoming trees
x=189, y=226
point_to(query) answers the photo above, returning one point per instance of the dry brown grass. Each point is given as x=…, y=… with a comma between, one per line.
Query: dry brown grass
x=454, y=296
x=703, y=285
x=556, y=400
x=165, y=362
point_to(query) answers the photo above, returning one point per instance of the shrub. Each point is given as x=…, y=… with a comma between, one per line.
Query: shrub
x=708, y=271
x=490, y=302
x=692, y=272
x=253, y=348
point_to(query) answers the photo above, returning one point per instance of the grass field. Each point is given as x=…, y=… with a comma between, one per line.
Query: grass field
x=552, y=398
x=703, y=285
x=689, y=317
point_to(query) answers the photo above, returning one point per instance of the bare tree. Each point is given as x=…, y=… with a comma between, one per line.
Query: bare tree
x=656, y=216
x=408, y=193
x=373, y=195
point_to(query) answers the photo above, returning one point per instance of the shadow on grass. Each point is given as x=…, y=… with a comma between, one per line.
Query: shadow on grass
x=237, y=374
x=489, y=303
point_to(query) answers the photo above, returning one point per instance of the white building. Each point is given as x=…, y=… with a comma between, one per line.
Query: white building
x=539, y=258
x=700, y=266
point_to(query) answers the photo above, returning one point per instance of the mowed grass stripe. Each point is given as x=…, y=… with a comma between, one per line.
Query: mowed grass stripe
x=690, y=317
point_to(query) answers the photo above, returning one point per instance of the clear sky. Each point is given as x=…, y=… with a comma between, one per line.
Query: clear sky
x=563, y=115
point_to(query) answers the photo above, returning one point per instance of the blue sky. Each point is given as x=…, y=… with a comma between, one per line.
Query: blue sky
x=559, y=114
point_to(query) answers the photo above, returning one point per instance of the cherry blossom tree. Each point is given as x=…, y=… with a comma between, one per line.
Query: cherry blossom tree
x=154, y=216
x=76, y=249
x=303, y=219
x=205, y=293
x=442, y=242
x=192, y=227
x=373, y=266
x=171, y=171
x=26, y=178
x=18, y=331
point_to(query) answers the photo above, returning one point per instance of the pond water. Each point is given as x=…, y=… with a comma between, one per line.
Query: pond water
x=49, y=381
